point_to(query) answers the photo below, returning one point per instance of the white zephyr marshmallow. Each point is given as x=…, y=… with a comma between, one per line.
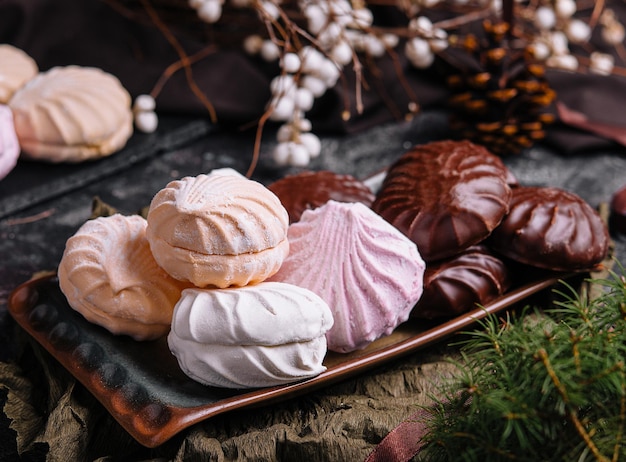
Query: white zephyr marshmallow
x=260, y=335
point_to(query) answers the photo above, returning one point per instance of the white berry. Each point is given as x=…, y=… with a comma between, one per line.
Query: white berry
x=299, y=155
x=362, y=18
x=545, y=18
x=281, y=153
x=601, y=63
x=316, y=17
x=559, y=43
x=566, y=62
x=270, y=9
x=541, y=50
x=283, y=108
x=438, y=44
x=144, y=103
x=311, y=59
x=284, y=133
x=328, y=72
x=565, y=8
x=210, y=11
x=422, y=24
x=283, y=85
x=291, y=63
x=304, y=125
x=304, y=99
x=578, y=31
x=613, y=34
x=312, y=144
x=391, y=40
x=146, y=122
x=419, y=53
x=330, y=34
x=314, y=84
x=341, y=53
x=195, y=4
x=270, y=51
x=374, y=46
x=253, y=44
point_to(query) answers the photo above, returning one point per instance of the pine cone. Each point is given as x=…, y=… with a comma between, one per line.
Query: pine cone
x=502, y=105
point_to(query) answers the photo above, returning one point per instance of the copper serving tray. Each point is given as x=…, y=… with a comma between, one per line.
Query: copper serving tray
x=142, y=386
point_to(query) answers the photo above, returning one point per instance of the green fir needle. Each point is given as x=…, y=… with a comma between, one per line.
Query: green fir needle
x=541, y=386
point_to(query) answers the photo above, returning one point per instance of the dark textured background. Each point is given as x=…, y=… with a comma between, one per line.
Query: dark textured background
x=42, y=205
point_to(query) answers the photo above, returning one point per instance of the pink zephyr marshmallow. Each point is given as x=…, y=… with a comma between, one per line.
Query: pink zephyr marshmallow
x=369, y=273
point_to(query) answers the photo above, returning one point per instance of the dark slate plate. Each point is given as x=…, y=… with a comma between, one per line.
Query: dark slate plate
x=30, y=182
x=143, y=388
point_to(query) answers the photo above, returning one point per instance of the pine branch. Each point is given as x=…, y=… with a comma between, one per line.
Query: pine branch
x=547, y=386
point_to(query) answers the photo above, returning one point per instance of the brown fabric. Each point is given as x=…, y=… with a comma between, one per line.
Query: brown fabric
x=91, y=33
x=590, y=109
x=606, y=130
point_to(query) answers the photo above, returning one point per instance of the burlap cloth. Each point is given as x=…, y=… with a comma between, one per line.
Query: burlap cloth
x=57, y=419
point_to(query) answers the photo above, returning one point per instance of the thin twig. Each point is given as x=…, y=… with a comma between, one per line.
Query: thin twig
x=378, y=81
x=467, y=18
x=184, y=58
x=32, y=218
x=622, y=418
x=257, y=143
x=175, y=67
x=586, y=62
x=598, y=7
x=403, y=81
x=543, y=355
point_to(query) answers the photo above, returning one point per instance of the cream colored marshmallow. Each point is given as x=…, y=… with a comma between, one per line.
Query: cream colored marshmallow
x=218, y=230
x=72, y=114
x=9, y=147
x=108, y=274
x=16, y=69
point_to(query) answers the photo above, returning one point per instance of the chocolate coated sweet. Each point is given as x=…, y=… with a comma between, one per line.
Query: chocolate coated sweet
x=454, y=286
x=618, y=210
x=311, y=189
x=551, y=228
x=445, y=196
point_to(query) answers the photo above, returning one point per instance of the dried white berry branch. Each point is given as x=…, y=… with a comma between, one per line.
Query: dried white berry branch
x=313, y=42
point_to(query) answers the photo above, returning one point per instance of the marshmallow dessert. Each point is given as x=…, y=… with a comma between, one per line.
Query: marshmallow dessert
x=108, y=274
x=218, y=230
x=17, y=68
x=9, y=146
x=72, y=114
x=245, y=337
x=368, y=272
